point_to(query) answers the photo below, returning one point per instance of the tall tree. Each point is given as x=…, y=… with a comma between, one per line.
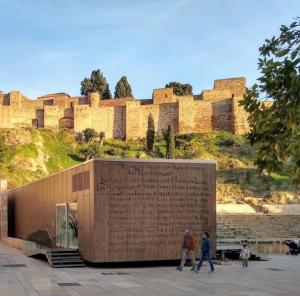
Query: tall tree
x=123, y=88
x=97, y=82
x=180, y=89
x=107, y=93
x=170, y=139
x=150, y=133
x=275, y=129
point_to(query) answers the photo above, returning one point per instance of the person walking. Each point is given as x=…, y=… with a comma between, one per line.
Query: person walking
x=245, y=255
x=205, y=252
x=188, y=248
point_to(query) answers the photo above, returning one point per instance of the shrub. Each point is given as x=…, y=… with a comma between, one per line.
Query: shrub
x=92, y=151
x=89, y=134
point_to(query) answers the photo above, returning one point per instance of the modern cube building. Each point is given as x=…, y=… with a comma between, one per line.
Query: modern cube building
x=120, y=210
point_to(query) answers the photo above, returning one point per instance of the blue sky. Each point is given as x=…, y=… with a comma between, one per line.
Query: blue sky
x=51, y=45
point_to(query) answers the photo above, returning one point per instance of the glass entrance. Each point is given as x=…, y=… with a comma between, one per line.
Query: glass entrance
x=72, y=226
x=61, y=231
x=66, y=225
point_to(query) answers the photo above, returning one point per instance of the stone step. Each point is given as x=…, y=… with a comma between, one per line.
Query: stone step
x=62, y=254
x=60, y=257
x=69, y=251
x=68, y=265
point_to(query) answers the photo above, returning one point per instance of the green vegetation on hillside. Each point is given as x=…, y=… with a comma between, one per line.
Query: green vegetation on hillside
x=30, y=154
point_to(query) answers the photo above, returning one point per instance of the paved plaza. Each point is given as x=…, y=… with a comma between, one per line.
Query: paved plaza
x=280, y=276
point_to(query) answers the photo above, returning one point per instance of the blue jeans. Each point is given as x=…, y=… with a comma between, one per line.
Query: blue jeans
x=202, y=258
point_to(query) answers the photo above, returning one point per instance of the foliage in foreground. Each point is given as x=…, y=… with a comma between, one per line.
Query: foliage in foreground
x=275, y=129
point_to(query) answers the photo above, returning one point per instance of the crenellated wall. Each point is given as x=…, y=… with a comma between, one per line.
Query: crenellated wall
x=127, y=118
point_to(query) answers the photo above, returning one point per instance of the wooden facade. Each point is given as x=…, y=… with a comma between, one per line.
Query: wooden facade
x=128, y=209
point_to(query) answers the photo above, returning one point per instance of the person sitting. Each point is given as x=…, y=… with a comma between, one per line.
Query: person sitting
x=294, y=247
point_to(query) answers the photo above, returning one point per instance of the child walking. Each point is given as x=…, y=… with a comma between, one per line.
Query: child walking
x=245, y=255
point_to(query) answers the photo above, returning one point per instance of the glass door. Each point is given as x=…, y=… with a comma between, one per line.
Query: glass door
x=66, y=225
x=61, y=222
x=72, y=226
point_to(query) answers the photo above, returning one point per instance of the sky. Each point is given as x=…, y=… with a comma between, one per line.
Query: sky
x=49, y=46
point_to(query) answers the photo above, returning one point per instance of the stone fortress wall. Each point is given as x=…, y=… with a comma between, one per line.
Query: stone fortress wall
x=127, y=118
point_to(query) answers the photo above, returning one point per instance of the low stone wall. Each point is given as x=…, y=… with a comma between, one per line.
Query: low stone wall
x=266, y=246
x=234, y=209
x=272, y=247
x=289, y=209
x=13, y=242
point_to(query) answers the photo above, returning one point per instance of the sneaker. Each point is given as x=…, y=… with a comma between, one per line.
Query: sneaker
x=193, y=268
x=179, y=268
x=196, y=270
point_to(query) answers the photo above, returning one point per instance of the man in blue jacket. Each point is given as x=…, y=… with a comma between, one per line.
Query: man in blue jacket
x=205, y=252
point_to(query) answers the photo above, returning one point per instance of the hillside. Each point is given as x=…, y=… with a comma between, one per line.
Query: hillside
x=29, y=154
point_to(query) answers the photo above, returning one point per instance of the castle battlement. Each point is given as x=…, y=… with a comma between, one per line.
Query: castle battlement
x=215, y=109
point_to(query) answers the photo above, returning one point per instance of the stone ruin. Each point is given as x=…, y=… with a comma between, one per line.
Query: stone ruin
x=127, y=118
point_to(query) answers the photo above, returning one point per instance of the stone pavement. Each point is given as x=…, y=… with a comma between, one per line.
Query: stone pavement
x=280, y=276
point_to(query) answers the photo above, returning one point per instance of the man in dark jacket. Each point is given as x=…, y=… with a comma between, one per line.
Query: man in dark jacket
x=205, y=252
